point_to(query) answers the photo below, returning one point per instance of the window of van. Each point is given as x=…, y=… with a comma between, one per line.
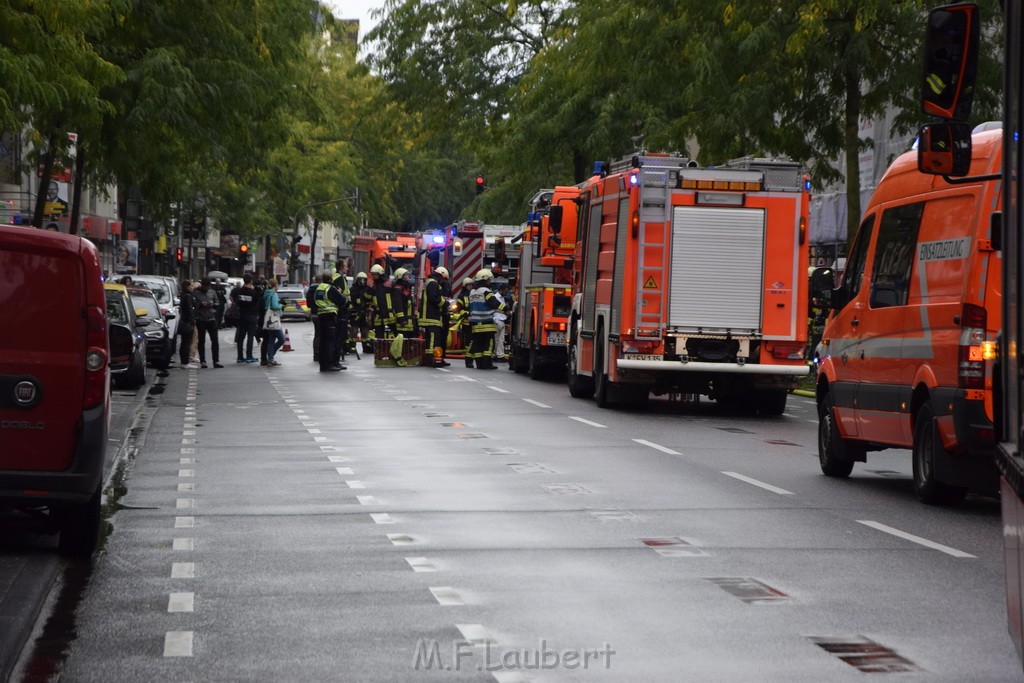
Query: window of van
x=894, y=255
x=855, y=261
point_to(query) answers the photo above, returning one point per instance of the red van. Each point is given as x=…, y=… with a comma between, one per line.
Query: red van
x=54, y=381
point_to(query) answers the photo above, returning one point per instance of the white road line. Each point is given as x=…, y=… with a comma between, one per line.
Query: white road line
x=338, y=458
x=382, y=518
x=319, y=439
x=366, y=500
x=536, y=403
x=187, y=461
x=314, y=431
x=401, y=539
x=186, y=473
x=498, y=389
x=355, y=484
x=446, y=595
x=184, y=544
x=185, y=503
x=476, y=634
x=344, y=470
x=587, y=422
x=183, y=570
x=329, y=449
x=466, y=378
x=178, y=644
x=812, y=421
x=755, y=482
x=188, y=451
x=181, y=602
x=184, y=522
x=186, y=488
x=421, y=564
x=657, y=447
x=914, y=539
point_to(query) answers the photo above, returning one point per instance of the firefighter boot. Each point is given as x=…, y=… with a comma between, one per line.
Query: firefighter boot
x=469, y=362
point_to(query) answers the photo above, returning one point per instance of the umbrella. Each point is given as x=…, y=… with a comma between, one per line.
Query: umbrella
x=217, y=273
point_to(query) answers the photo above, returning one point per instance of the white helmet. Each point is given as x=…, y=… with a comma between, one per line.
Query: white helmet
x=468, y=282
x=483, y=275
x=360, y=274
x=442, y=271
x=377, y=269
x=400, y=273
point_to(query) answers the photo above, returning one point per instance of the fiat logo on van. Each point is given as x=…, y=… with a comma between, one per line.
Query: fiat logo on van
x=24, y=392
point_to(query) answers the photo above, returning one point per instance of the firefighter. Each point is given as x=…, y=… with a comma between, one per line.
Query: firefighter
x=482, y=305
x=360, y=302
x=402, y=298
x=328, y=302
x=462, y=304
x=432, y=309
x=384, y=316
x=340, y=282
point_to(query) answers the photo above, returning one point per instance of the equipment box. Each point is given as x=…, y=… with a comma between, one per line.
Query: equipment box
x=412, y=353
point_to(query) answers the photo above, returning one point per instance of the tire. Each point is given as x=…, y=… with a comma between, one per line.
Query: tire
x=578, y=385
x=517, y=362
x=135, y=377
x=927, y=445
x=835, y=454
x=534, y=367
x=772, y=402
x=79, y=527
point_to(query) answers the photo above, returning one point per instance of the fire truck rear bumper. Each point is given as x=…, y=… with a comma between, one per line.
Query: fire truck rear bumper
x=713, y=368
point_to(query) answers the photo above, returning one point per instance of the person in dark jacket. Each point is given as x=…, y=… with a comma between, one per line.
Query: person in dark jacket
x=328, y=302
x=383, y=291
x=260, y=286
x=248, y=309
x=206, y=321
x=340, y=282
x=186, y=324
x=360, y=302
x=222, y=301
x=432, y=307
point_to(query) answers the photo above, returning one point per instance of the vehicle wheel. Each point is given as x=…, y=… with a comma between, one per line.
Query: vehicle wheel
x=772, y=401
x=577, y=383
x=79, y=527
x=535, y=368
x=517, y=363
x=927, y=445
x=135, y=377
x=601, y=388
x=835, y=454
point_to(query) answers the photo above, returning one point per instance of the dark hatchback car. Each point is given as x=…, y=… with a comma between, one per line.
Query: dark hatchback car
x=159, y=345
x=127, y=340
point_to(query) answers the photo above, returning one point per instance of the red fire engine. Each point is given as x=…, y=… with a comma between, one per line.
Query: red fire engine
x=690, y=280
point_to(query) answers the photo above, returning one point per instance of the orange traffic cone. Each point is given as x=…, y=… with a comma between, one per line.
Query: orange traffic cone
x=287, y=342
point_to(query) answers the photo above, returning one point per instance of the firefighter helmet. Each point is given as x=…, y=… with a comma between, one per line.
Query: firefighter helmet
x=377, y=269
x=360, y=274
x=442, y=271
x=468, y=282
x=400, y=273
x=483, y=275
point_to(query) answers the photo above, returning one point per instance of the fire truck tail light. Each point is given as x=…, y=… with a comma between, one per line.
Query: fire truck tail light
x=688, y=184
x=788, y=351
x=636, y=223
x=555, y=326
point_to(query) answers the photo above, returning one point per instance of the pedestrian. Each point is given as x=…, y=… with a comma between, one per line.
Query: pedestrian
x=186, y=326
x=360, y=305
x=482, y=305
x=384, y=316
x=248, y=309
x=340, y=282
x=206, y=322
x=273, y=340
x=328, y=302
x=432, y=305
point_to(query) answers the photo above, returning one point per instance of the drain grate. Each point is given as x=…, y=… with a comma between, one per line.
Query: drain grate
x=613, y=515
x=500, y=451
x=566, y=489
x=735, y=430
x=471, y=435
x=672, y=547
x=436, y=415
x=529, y=468
x=749, y=590
x=453, y=424
x=865, y=654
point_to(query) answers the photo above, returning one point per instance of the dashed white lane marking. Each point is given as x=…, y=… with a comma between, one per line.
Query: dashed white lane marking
x=537, y=403
x=466, y=378
x=421, y=564
x=914, y=539
x=329, y=449
x=319, y=439
x=366, y=500
x=184, y=522
x=401, y=539
x=657, y=447
x=183, y=570
x=187, y=461
x=588, y=422
x=355, y=484
x=188, y=432
x=344, y=470
x=382, y=518
x=498, y=389
x=338, y=458
x=446, y=595
x=178, y=644
x=811, y=421
x=476, y=634
x=186, y=488
x=185, y=503
x=309, y=424
x=188, y=451
x=186, y=473
x=181, y=602
x=314, y=431
x=761, y=484
x=184, y=544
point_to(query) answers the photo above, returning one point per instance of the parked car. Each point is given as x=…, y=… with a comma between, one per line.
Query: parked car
x=159, y=343
x=167, y=292
x=127, y=338
x=293, y=300
x=54, y=385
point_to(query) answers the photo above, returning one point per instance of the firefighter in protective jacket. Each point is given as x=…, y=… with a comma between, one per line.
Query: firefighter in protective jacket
x=382, y=291
x=360, y=302
x=402, y=298
x=482, y=305
x=432, y=310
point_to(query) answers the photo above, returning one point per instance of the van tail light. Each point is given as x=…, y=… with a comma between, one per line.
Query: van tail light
x=972, y=348
x=96, y=343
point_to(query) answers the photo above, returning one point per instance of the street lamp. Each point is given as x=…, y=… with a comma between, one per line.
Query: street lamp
x=298, y=214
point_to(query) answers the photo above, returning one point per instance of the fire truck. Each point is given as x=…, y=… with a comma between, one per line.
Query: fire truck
x=544, y=285
x=389, y=249
x=690, y=280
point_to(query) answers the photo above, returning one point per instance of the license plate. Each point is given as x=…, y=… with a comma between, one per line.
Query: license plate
x=556, y=338
x=643, y=356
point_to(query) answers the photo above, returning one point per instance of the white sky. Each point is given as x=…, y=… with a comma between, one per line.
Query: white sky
x=356, y=9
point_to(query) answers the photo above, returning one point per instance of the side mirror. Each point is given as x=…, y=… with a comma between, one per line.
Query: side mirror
x=555, y=219
x=170, y=316
x=944, y=149
x=950, y=61
x=823, y=281
x=143, y=321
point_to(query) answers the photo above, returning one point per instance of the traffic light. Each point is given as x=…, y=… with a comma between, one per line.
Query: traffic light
x=479, y=184
x=178, y=255
x=244, y=251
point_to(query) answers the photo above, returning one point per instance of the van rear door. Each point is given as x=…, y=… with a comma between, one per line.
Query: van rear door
x=42, y=350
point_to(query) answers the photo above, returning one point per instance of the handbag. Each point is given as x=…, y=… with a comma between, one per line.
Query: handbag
x=271, y=320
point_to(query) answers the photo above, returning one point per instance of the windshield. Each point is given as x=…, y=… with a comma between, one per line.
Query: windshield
x=160, y=289
x=116, y=311
x=147, y=302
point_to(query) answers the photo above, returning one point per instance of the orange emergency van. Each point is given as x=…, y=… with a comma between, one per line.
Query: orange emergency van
x=907, y=354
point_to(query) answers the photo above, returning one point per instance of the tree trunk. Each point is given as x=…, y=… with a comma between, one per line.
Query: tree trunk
x=44, y=180
x=76, y=192
x=851, y=143
x=579, y=166
x=312, y=247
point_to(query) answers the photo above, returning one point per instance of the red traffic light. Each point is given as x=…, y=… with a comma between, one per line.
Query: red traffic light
x=244, y=249
x=177, y=254
x=479, y=184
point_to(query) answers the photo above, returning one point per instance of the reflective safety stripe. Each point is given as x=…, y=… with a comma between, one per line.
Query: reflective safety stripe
x=323, y=302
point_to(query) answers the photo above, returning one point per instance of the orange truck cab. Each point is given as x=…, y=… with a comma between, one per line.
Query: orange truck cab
x=54, y=381
x=544, y=288
x=906, y=358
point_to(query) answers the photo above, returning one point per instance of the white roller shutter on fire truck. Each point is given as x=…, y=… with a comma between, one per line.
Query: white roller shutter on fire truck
x=717, y=269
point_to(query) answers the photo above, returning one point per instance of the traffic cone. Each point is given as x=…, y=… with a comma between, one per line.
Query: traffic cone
x=287, y=342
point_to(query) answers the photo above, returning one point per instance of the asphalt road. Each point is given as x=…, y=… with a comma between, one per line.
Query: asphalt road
x=388, y=524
